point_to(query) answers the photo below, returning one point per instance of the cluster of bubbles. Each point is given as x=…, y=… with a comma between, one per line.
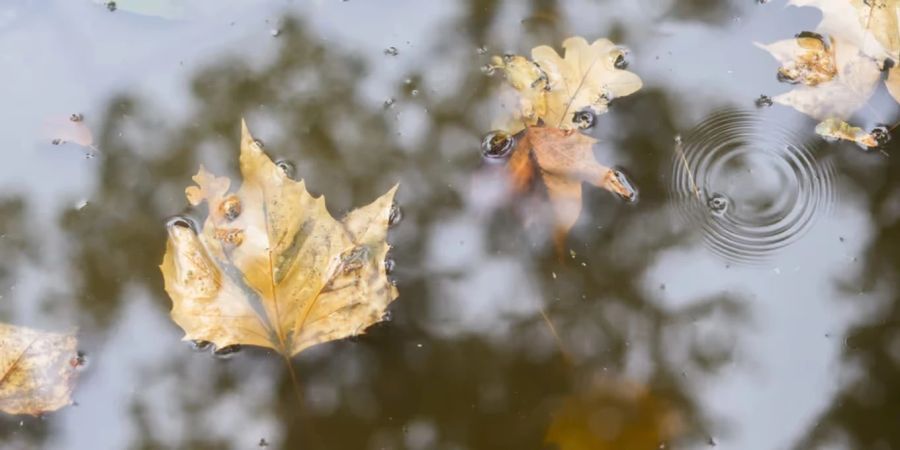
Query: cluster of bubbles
x=752, y=185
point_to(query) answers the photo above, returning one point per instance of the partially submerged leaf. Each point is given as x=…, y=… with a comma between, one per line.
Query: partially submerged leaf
x=563, y=159
x=835, y=79
x=61, y=130
x=870, y=25
x=37, y=370
x=553, y=88
x=614, y=414
x=836, y=129
x=271, y=267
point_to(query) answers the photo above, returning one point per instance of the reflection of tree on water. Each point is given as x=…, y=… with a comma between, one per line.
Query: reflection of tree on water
x=398, y=386
x=864, y=412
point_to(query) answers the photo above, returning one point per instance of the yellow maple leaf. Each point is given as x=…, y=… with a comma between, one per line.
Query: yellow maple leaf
x=37, y=370
x=552, y=88
x=271, y=266
x=834, y=78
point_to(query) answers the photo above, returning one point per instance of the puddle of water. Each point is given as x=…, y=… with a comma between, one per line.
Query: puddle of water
x=747, y=300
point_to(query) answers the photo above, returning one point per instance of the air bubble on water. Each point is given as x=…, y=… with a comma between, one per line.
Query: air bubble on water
x=389, y=265
x=287, y=167
x=226, y=352
x=414, y=92
x=717, y=204
x=76, y=117
x=275, y=32
x=584, y=119
x=200, y=346
x=262, y=441
x=389, y=102
x=56, y=141
x=387, y=316
x=497, y=145
x=396, y=215
x=482, y=50
x=111, y=6
x=391, y=51
x=182, y=221
x=488, y=69
x=81, y=204
x=763, y=101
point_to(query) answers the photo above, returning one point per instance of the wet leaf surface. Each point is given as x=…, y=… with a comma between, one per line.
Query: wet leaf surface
x=271, y=267
x=836, y=129
x=38, y=370
x=553, y=88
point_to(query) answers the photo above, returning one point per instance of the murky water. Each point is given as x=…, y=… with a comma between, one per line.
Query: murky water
x=752, y=304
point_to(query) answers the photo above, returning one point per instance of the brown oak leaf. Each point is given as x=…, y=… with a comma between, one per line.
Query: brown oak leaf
x=37, y=370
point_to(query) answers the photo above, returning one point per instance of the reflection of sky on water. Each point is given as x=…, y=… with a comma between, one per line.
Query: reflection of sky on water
x=62, y=57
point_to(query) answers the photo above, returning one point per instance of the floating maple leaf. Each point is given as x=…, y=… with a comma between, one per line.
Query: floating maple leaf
x=564, y=159
x=834, y=78
x=271, y=267
x=37, y=370
x=553, y=88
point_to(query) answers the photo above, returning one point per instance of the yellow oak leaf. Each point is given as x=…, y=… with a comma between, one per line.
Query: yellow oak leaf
x=834, y=78
x=553, y=88
x=271, y=267
x=37, y=370
x=838, y=130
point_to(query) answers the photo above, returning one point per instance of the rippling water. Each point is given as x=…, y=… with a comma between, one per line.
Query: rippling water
x=752, y=185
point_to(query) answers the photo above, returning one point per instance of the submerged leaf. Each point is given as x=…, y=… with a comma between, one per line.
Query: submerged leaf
x=37, y=370
x=614, y=414
x=271, y=267
x=553, y=88
x=835, y=79
x=564, y=159
x=836, y=129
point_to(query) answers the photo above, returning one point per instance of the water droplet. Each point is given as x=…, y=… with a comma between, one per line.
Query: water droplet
x=387, y=316
x=620, y=62
x=481, y=50
x=584, y=119
x=488, y=69
x=81, y=204
x=623, y=187
x=275, y=32
x=391, y=51
x=882, y=135
x=80, y=360
x=200, y=346
x=414, y=92
x=230, y=208
x=389, y=103
x=287, y=167
x=389, y=266
x=717, y=204
x=763, y=101
x=76, y=117
x=226, y=352
x=395, y=216
x=497, y=145
x=182, y=221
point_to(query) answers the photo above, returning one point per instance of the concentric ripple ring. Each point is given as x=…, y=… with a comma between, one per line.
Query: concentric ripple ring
x=753, y=186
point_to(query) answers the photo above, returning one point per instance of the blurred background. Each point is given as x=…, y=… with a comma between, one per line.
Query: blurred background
x=775, y=325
